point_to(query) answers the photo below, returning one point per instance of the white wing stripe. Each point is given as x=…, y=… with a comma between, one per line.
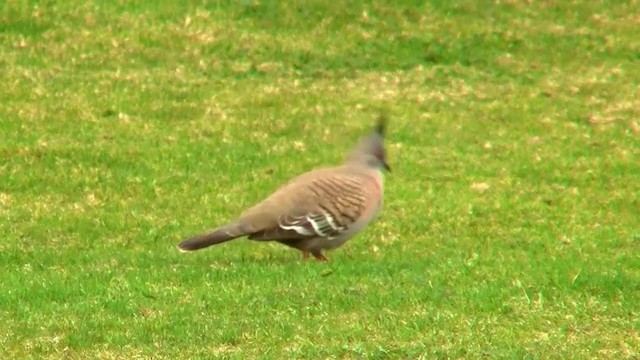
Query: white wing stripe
x=322, y=224
x=316, y=225
x=299, y=229
x=295, y=227
x=330, y=221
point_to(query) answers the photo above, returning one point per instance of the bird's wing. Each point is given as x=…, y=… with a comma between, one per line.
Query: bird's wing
x=323, y=203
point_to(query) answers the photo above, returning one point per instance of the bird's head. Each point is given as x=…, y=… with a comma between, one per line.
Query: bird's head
x=370, y=150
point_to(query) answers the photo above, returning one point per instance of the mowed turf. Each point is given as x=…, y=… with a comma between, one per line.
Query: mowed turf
x=511, y=223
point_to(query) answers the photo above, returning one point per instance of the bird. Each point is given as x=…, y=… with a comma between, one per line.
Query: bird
x=317, y=211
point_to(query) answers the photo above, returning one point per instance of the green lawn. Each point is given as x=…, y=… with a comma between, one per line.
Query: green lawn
x=511, y=224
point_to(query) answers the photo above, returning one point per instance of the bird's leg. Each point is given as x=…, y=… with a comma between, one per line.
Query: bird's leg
x=319, y=256
x=305, y=255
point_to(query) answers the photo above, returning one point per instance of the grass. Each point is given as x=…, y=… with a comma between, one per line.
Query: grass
x=511, y=225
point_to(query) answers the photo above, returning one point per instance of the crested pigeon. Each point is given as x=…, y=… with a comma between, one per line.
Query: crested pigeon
x=316, y=211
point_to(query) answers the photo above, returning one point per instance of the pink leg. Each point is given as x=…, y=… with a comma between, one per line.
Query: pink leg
x=319, y=256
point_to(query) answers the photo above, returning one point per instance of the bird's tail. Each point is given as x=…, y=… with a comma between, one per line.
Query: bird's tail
x=213, y=237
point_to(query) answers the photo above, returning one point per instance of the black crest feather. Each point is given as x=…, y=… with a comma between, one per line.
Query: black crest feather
x=382, y=124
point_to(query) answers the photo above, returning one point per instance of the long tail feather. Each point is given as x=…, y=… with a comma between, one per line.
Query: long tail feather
x=214, y=237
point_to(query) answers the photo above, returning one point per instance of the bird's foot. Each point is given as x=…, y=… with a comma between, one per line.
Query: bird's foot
x=316, y=254
x=319, y=256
